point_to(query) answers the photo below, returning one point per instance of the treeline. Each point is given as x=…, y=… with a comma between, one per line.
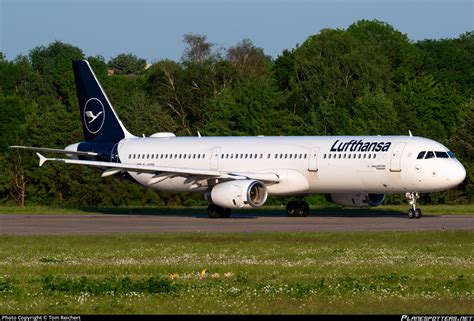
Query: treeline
x=369, y=79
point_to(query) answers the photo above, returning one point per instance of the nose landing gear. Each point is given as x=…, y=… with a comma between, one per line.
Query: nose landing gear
x=413, y=212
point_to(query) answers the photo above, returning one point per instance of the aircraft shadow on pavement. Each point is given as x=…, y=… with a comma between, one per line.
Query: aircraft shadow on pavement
x=247, y=214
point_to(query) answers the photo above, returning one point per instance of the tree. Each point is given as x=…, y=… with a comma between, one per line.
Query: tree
x=437, y=108
x=402, y=55
x=197, y=49
x=126, y=64
x=55, y=64
x=248, y=59
x=462, y=144
x=374, y=114
x=450, y=61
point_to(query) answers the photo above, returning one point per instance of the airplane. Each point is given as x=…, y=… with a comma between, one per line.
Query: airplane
x=241, y=172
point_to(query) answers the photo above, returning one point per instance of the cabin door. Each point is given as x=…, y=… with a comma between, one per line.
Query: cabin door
x=215, y=158
x=313, y=159
x=396, y=157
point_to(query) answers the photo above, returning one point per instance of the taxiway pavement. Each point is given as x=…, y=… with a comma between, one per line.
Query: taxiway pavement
x=76, y=224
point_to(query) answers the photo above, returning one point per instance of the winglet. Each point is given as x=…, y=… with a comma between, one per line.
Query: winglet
x=42, y=159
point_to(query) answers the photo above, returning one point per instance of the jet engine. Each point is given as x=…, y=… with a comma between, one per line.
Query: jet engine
x=357, y=199
x=239, y=193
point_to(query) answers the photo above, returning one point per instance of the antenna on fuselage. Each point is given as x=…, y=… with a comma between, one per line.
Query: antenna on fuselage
x=199, y=134
x=409, y=133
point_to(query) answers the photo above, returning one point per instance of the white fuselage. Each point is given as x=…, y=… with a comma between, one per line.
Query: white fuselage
x=307, y=164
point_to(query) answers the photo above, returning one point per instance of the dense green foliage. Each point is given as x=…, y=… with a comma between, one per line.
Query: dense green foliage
x=369, y=79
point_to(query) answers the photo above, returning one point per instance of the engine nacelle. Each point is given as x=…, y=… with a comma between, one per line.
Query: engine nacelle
x=357, y=199
x=239, y=193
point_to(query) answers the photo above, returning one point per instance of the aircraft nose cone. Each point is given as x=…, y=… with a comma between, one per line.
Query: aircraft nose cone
x=457, y=174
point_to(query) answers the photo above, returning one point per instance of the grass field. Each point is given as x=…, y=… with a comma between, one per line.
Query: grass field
x=315, y=210
x=378, y=272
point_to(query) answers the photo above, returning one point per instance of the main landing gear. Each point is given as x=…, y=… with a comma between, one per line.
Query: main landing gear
x=214, y=211
x=297, y=208
x=413, y=212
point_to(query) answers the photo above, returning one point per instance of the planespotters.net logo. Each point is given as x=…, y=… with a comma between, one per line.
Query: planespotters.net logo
x=94, y=115
x=437, y=318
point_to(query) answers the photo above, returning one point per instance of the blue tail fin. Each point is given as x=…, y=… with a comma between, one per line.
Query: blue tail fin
x=98, y=117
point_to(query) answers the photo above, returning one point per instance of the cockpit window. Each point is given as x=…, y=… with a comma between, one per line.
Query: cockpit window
x=429, y=155
x=451, y=155
x=420, y=155
x=441, y=155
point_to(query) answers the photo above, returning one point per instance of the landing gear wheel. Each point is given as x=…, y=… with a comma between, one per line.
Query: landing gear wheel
x=417, y=213
x=297, y=209
x=411, y=213
x=292, y=209
x=304, y=208
x=226, y=213
x=214, y=211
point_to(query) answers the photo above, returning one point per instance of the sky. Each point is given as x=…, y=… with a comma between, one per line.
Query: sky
x=154, y=29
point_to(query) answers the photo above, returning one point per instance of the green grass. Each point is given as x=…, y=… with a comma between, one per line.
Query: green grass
x=382, y=272
x=315, y=210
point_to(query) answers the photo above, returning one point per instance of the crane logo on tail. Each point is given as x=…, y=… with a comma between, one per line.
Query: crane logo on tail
x=94, y=115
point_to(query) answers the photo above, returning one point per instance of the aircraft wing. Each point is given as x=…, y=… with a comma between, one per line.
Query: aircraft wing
x=53, y=150
x=162, y=172
x=131, y=167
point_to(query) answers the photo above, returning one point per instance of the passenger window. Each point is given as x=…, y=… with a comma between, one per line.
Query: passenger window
x=420, y=155
x=364, y=155
x=291, y=156
x=268, y=156
x=370, y=155
x=441, y=155
x=324, y=156
x=339, y=156
x=360, y=155
x=375, y=155
x=255, y=156
x=305, y=156
x=429, y=155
